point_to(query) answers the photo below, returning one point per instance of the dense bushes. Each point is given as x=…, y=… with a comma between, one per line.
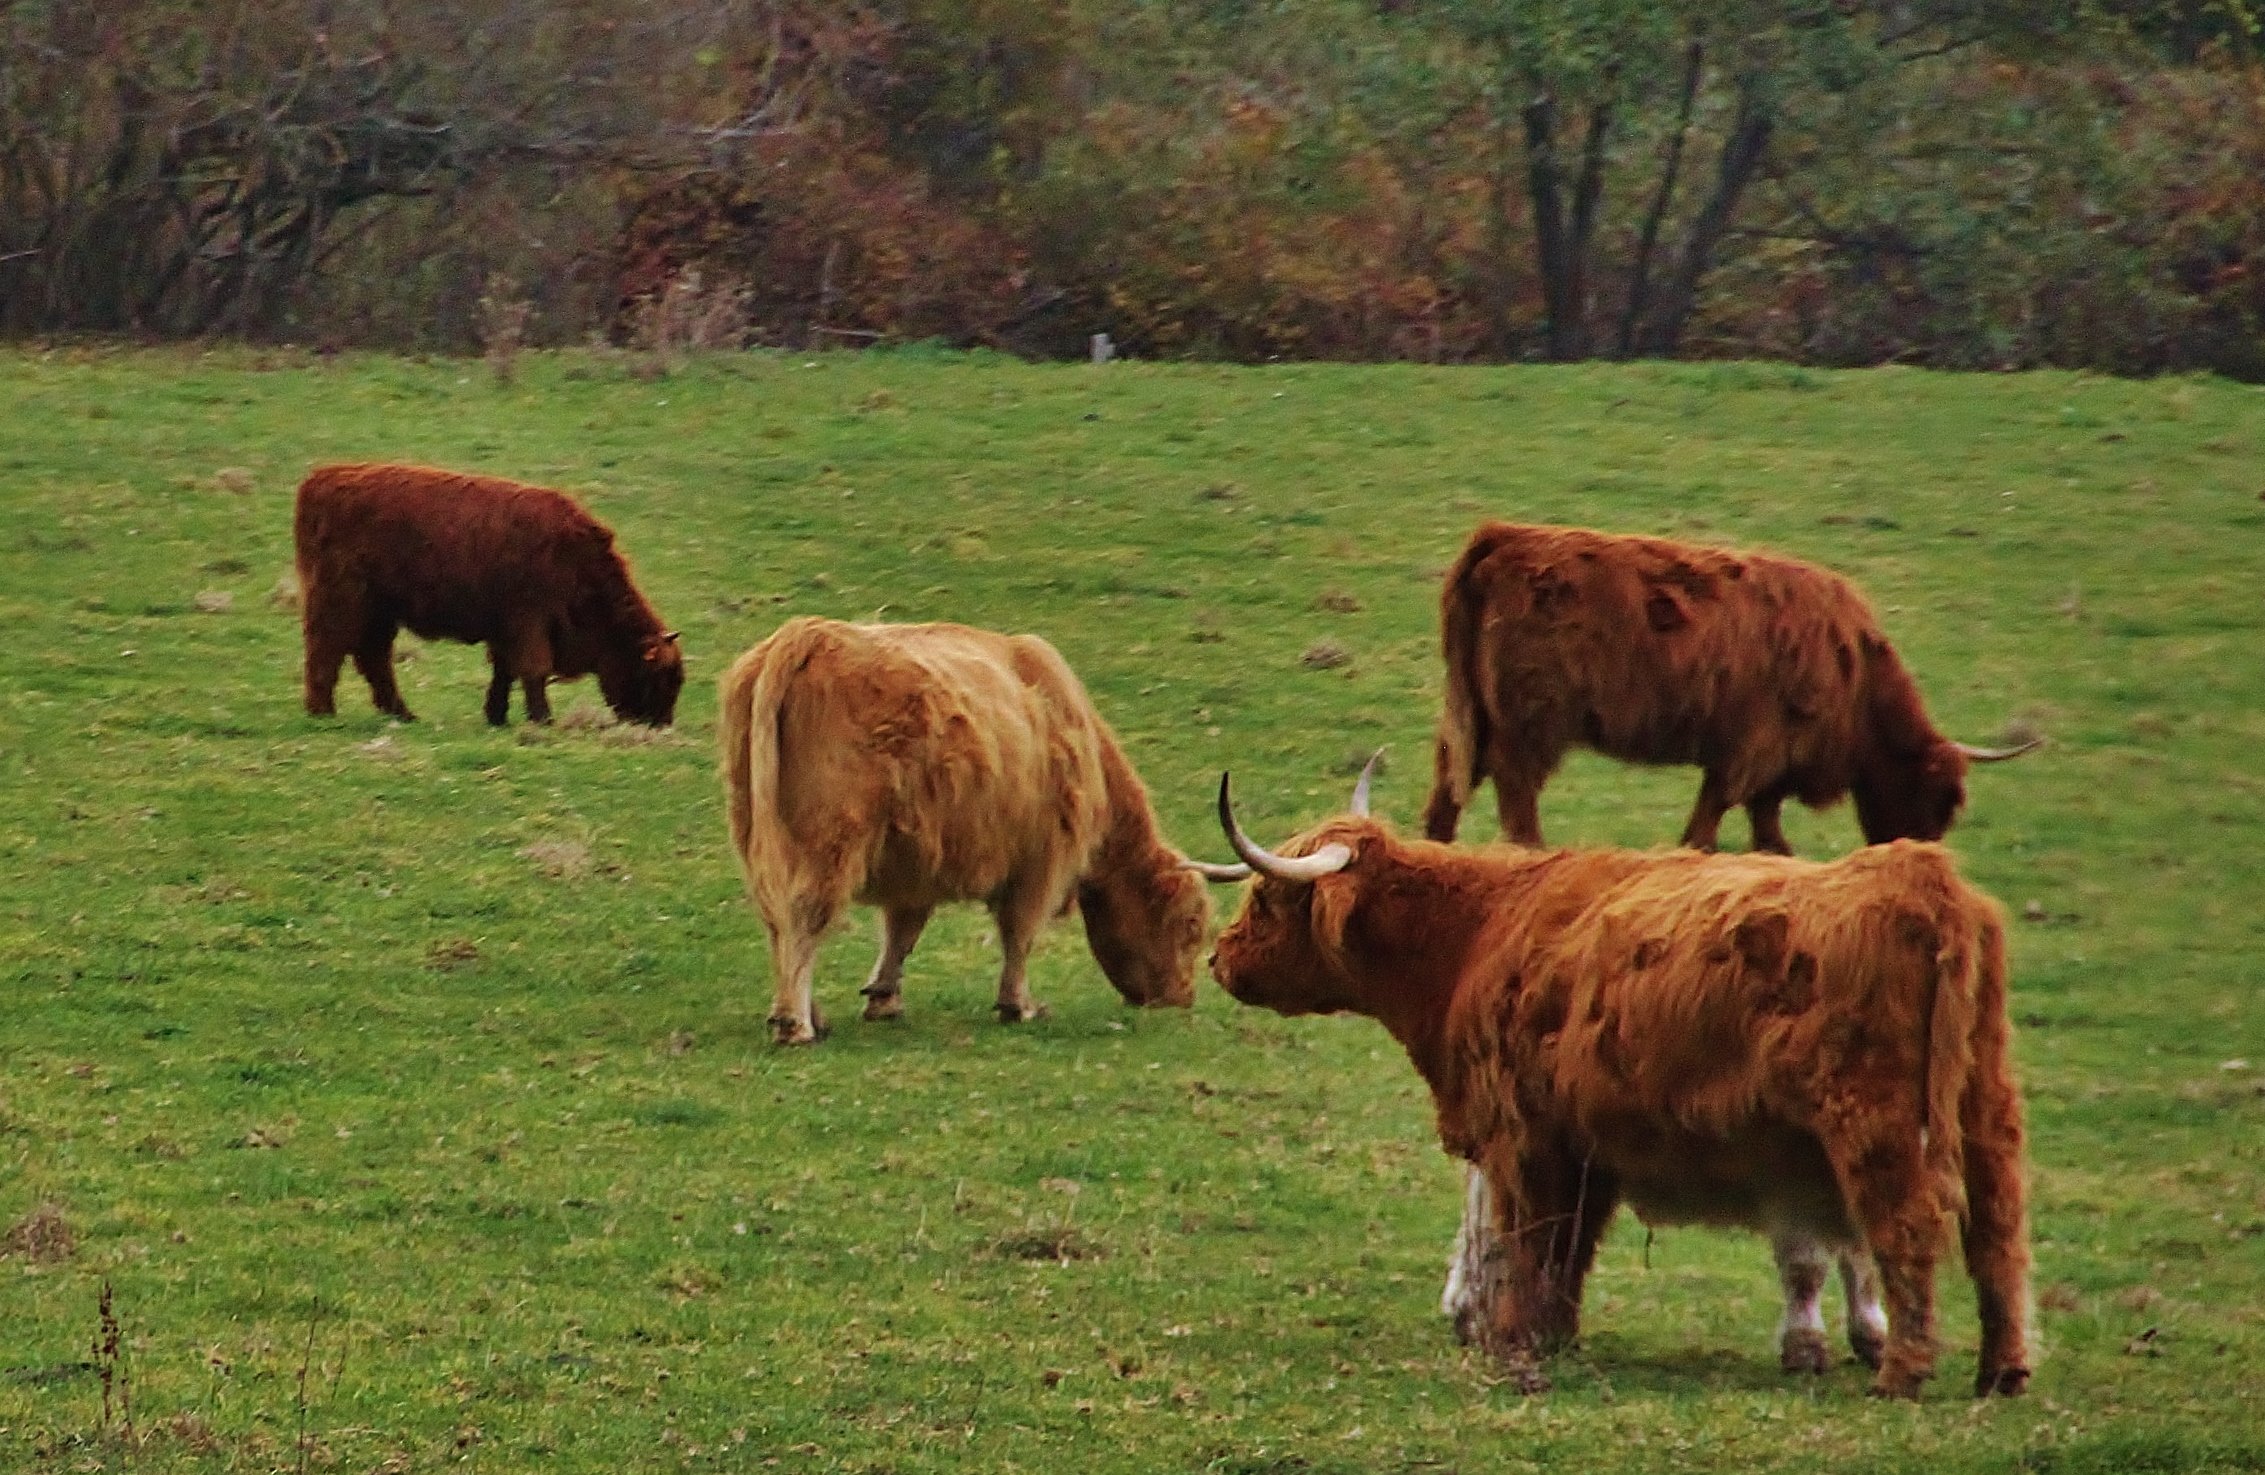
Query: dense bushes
x=1434, y=179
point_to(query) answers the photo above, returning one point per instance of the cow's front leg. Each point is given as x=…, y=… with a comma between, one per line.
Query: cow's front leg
x=1021, y=910
x=1867, y=1319
x=884, y=991
x=1550, y=1215
x=1474, y=1266
x=1769, y=829
x=374, y=659
x=1705, y=827
x=1801, y=1270
x=498, y=704
x=531, y=659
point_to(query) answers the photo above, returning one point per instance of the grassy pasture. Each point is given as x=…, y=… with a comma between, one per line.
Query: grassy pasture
x=409, y=1084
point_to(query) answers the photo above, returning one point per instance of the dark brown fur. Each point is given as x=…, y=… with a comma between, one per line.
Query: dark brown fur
x=451, y=556
x=1740, y=1040
x=1770, y=674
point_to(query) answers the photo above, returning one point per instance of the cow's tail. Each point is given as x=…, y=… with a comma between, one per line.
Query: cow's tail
x=747, y=725
x=751, y=713
x=1969, y=976
x=1462, y=737
x=307, y=521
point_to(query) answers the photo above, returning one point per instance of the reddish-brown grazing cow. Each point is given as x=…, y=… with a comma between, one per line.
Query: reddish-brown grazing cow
x=452, y=556
x=1739, y=1040
x=904, y=766
x=1770, y=674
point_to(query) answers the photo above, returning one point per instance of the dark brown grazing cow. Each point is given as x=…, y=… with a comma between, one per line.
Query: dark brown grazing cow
x=1743, y=1040
x=451, y=556
x=1772, y=675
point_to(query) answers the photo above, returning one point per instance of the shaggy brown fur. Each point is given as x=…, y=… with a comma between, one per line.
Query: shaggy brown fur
x=1738, y=1040
x=904, y=766
x=452, y=556
x=1770, y=674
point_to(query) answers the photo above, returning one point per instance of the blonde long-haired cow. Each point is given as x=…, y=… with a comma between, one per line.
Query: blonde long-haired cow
x=905, y=766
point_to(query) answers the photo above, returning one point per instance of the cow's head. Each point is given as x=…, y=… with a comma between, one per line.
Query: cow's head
x=1285, y=950
x=1915, y=793
x=641, y=682
x=1145, y=925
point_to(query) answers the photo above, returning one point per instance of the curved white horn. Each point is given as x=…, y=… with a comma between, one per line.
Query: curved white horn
x=1213, y=871
x=1997, y=755
x=1360, y=787
x=1328, y=860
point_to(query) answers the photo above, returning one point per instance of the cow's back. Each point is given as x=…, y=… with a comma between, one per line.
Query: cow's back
x=1710, y=992
x=932, y=762
x=448, y=554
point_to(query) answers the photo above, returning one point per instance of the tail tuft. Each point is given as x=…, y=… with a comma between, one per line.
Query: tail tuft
x=1461, y=736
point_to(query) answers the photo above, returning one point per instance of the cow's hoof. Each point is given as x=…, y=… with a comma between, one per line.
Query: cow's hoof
x=786, y=1029
x=1897, y=1384
x=2004, y=1382
x=1527, y=1377
x=1803, y=1350
x=884, y=1006
x=1868, y=1345
x=1018, y=1013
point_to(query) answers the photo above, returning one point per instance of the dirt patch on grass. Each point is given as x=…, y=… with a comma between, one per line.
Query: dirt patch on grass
x=1058, y=1242
x=559, y=859
x=42, y=1237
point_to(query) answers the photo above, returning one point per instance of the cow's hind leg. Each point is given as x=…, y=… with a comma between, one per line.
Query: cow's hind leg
x=884, y=990
x=1802, y=1267
x=1518, y=780
x=795, y=1019
x=1867, y=1319
x=1884, y=1180
x=331, y=623
x=325, y=654
x=1020, y=910
x=1996, y=1235
x=373, y=657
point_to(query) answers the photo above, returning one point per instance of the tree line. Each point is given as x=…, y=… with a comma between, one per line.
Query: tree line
x=1972, y=183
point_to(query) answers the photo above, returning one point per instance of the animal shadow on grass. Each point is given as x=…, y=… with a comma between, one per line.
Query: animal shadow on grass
x=1611, y=1363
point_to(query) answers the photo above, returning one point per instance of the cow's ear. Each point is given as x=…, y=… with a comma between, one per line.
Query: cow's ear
x=1332, y=910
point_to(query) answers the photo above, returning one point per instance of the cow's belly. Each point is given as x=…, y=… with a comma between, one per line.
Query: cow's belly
x=934, y=869
x=1769, y=1179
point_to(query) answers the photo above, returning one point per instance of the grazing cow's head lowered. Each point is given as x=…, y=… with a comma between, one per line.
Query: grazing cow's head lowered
x=641, y=678
x=1146, y=927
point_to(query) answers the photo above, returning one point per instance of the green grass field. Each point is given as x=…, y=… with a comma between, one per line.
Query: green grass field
x=410, y=1087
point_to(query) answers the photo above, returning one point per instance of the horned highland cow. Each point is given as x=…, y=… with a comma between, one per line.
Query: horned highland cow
x=452, y=556
x=905, y=766
x=1770, y=674
x=1754, y=1041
